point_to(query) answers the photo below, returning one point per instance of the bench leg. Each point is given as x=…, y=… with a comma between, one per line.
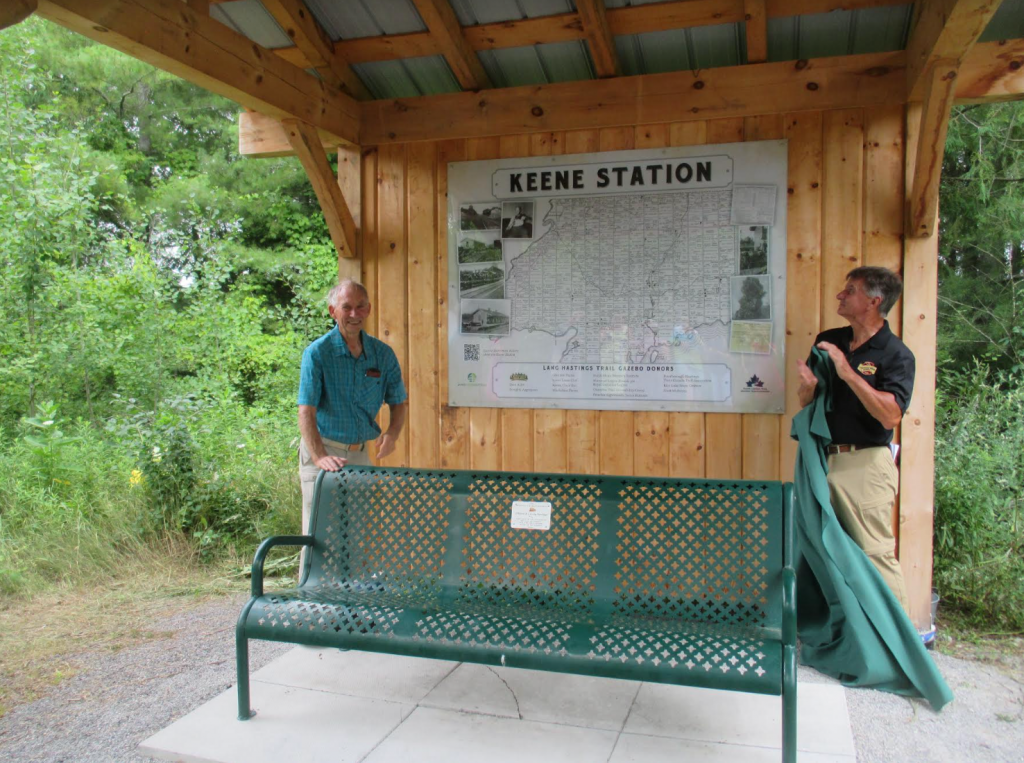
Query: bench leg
x=789, y=704
x=242, y=663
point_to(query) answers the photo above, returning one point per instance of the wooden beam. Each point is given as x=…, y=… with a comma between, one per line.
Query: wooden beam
x=945, y=30
x=386, y=48
x=444, y=27
x=201, y=7
x=931, y=143
x=825, y=83
x=756, y=17
x=992, y=71
x=306, y=144
x=567, y=27
x=599, y=38
x=172, y=37
x=301, y=26
x=350, y=182
x=263, y=136
x=15, y=11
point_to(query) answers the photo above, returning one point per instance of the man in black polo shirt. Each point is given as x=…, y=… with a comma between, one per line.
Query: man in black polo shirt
x=873, y=377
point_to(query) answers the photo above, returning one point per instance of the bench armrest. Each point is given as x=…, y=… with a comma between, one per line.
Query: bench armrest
x=264, y=549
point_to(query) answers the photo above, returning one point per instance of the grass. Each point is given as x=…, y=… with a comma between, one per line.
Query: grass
x=44, y=638
x=958, y=637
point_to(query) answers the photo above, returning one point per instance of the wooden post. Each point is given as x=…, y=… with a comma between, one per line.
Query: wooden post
x=917, y=458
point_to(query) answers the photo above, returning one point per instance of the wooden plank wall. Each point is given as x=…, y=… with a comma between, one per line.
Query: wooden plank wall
x=845, y=208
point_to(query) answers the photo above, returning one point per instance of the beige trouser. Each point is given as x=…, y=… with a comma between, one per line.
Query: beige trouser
x=863, y=484
x=308, y=471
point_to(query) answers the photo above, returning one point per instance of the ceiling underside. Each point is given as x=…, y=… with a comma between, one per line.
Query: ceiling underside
x=838, y=33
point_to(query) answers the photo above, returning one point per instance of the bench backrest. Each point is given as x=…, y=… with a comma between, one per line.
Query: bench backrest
x=617, y=547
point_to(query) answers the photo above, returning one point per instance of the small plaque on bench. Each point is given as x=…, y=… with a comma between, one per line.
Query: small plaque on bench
x=531, y=515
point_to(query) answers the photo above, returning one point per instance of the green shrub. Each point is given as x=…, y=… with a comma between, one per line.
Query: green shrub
x=979, y=489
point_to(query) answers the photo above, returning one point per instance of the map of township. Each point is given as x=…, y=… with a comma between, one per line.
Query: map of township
x=639, y=278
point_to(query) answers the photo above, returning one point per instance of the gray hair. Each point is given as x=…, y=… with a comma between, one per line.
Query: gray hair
x=879, y=282
x=335, y=293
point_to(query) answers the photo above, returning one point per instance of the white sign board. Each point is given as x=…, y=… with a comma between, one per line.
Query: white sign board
x=629, y=280
x=531, y=515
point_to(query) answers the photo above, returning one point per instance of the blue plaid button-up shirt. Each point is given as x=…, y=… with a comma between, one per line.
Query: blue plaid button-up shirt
x=348, y=392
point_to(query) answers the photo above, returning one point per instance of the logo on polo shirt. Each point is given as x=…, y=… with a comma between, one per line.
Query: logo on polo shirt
x=867, y=368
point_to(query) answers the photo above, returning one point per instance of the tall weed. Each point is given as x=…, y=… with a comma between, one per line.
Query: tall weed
x=979, y=491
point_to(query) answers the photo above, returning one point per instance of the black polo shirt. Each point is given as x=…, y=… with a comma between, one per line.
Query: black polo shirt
x=887, y=365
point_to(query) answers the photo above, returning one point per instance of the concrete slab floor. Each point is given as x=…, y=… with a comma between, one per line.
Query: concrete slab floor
x=328, y=705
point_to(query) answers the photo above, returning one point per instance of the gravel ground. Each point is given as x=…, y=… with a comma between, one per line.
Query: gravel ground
x=118, y=700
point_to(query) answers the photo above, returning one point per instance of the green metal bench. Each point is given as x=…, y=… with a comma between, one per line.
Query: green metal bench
x=685, y=582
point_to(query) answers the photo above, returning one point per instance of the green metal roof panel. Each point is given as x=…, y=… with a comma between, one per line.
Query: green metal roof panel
x=712, y=46
x=840, y=33
x=471, y=12
x=537, y=64
x=250, y=18
x=1007, y=24
x=407, y=78
x=654, y=52
x=350, y=19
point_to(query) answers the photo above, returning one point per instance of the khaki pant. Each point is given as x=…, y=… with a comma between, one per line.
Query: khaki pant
x=863, y=484
x=308, y=471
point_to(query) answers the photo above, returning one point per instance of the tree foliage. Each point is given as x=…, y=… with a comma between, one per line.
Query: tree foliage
x=156, y=291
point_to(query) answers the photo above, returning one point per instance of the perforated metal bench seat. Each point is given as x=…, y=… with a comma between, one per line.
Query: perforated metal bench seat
x=662, y=580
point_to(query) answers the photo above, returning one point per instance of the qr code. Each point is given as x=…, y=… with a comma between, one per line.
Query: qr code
x=471, y=352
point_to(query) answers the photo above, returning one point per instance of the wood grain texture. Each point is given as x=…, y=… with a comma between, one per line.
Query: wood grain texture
x=392, y=273
x=423, y=286
x=803, y=261
x=453, y=422
x=917, y=456
x=843, y=134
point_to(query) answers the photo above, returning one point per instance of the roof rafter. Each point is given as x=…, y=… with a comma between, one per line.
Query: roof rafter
x=599, y=38
x=172, y=37
x=300, y=25
x=567, y=27
x=756, y=16
x=444, y=28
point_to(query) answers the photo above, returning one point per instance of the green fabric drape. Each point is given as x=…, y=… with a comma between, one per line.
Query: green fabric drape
x=850, y=624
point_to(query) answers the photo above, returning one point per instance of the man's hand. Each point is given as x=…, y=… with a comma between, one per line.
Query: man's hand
x=808, y=383
x=385, y=445
x=331, y=463
x=843, y=369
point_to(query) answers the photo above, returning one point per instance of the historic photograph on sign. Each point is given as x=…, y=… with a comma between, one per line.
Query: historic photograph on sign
x=482, y=281
x=483, y=215
x=517, y=219
x=751, y=298
x=751, y=337
x=480, y=246
x=486, y=316
x=753, y=250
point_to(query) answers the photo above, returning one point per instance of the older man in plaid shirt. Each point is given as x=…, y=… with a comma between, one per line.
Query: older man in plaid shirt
x=346, y=376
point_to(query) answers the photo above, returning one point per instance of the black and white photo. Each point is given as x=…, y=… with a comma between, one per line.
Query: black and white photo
x=486, y=316
x=481, y=215
x=751, y=298
x=517, y=219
